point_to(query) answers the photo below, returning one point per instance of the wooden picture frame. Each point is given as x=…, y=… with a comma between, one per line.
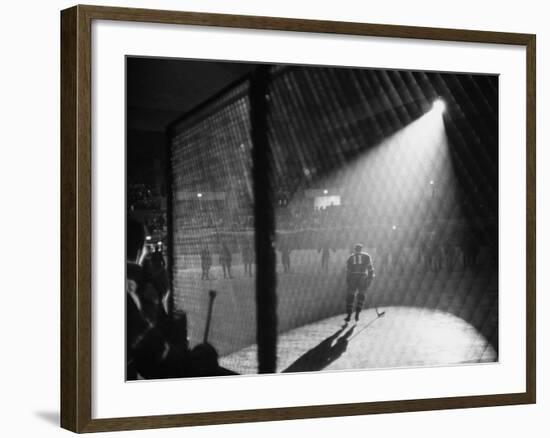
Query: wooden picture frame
x=76, y=217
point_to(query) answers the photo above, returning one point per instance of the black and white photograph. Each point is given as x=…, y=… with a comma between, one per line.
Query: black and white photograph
x=303, y=218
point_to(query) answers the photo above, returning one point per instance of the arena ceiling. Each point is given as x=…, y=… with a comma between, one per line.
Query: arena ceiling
x=160, y=90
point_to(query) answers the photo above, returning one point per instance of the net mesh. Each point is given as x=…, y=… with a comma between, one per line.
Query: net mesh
x=358, y=156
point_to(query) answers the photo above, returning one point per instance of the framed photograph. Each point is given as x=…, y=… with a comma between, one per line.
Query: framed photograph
x=268, y=218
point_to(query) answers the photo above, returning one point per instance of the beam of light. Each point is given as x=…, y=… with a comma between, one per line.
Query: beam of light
x=390, y=178
x=389, y=183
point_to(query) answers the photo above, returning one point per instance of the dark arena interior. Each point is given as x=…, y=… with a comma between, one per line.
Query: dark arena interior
x=255, y=183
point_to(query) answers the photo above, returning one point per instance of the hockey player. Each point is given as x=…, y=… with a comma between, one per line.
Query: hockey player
x=285, y=257
x=325, y=255
x=225, y=260
x=359, y=276
x=206, y=262
x=248, y=258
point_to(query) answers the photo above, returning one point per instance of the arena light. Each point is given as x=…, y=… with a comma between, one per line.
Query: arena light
x=325, y=192
x=431, y=182
x=439, y=106
x=199, y=195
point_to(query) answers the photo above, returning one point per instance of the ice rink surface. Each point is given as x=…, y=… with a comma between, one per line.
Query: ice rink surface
x=442, y=317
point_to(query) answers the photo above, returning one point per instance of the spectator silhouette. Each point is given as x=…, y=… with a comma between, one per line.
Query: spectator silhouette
x=152, y=352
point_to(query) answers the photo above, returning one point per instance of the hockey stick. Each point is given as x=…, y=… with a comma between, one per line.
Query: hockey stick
x=212, y=296
x=378, y=313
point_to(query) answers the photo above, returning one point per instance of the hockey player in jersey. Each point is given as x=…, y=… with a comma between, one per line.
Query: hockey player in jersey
x=359, y=276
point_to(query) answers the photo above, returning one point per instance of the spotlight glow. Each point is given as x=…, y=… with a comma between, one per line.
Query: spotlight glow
x=325, y=192
x=199, y=195
x=439, y=106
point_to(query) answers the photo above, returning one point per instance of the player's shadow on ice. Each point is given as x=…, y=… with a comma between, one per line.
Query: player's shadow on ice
x=322, y=355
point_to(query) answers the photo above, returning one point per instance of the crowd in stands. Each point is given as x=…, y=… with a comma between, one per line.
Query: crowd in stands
x=143, y=197
x=309, y=227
